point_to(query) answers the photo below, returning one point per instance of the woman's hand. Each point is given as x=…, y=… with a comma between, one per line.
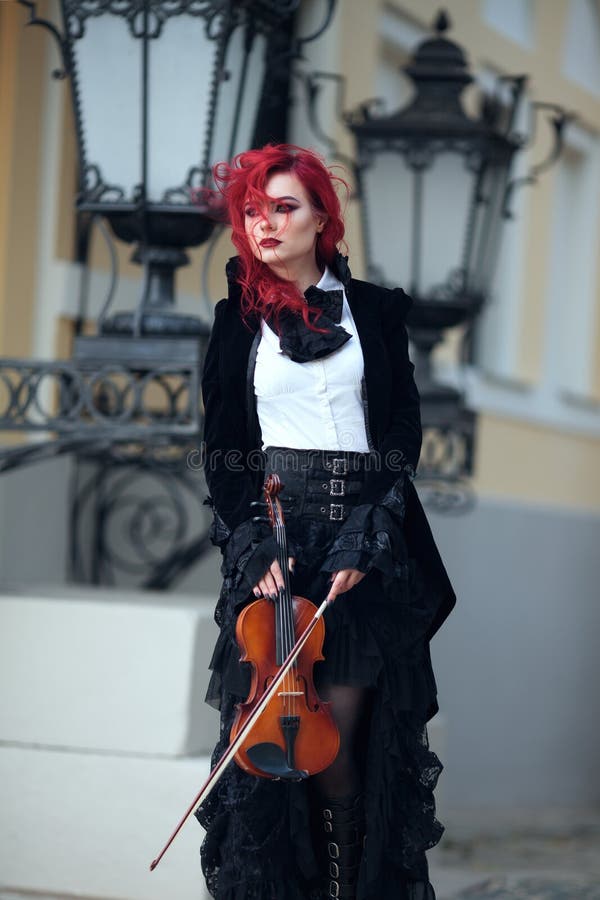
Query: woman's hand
x=343, y=580
x=272, y=580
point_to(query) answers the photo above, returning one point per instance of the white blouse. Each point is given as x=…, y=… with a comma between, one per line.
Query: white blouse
x=316, y=404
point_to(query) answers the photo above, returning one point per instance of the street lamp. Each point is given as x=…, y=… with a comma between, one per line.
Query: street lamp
x=435, y=184
x=161, y=89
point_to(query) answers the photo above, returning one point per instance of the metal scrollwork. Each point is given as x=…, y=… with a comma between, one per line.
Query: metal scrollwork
x=443, y=452
x=183, y=194
x=96, y=188
x=445, y=467
x=146, y=20
x=329, y=11
x=419, y=158
x=447, y=497
x=558, y=121
x=313, y=83
x=132, y=509
x=37, y=396
x=34, y=19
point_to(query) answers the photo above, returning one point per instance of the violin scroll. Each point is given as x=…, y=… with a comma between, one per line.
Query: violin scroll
x=272, y=488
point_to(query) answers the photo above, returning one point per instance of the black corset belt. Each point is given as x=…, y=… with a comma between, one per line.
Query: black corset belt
x=321, y=483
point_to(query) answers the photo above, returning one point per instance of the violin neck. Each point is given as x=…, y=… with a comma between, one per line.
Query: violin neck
x=284, y=608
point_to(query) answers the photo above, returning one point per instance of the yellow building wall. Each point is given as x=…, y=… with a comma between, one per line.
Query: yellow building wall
x=21, y=92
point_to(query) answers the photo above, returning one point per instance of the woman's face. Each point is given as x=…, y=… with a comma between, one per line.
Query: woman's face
x=284, y=233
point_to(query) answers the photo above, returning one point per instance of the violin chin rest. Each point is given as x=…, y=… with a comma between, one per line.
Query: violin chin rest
x=271, y=759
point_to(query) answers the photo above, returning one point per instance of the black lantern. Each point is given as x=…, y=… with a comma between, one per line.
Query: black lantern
x=434, y=185
x=161, y=89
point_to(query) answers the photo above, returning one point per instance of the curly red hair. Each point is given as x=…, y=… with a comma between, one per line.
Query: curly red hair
x=243, y=180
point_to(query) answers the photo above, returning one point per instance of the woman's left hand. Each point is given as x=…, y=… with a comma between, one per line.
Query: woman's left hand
x=343, y=580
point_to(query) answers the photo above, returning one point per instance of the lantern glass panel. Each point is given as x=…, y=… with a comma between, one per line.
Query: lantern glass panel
x=387, y=210
x=181, y=64
x=487, y=227
x=185, y=128
x=447, y=195
x=239, y=96
x=417, y=218
x=109, y=78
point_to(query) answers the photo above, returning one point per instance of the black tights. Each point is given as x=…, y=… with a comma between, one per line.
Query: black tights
x=348, y=705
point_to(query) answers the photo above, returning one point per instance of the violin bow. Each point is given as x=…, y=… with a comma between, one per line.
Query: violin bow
x=226, y=758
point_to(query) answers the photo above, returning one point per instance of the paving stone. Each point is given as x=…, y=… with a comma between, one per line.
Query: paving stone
x=559, y=863
x=559, y=859
x=507, y=888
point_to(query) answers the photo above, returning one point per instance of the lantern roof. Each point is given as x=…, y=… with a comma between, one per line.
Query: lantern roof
x=439, y=57
x=439, y=72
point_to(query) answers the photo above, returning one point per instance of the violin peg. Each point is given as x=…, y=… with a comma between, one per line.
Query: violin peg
x=260, y=518
x=258, y=503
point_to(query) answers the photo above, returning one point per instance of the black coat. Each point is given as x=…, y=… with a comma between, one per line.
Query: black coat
x=233, y=466
x=257, y=839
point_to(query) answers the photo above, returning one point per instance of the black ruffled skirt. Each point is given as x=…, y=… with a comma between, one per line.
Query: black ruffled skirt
x=258, y=841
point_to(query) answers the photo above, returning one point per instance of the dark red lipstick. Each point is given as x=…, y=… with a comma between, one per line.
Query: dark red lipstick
x=269, y=242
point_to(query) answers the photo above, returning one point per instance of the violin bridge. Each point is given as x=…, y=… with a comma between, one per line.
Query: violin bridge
x=290, y=694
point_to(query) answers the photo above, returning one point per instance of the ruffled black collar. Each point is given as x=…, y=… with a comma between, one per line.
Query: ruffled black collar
x=299, y=342
x=295, y=339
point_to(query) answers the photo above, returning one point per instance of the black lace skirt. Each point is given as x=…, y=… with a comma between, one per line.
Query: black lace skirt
x=258, y=843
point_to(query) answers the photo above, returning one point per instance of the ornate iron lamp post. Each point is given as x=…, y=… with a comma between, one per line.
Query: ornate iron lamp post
x=444, y=179
x=161, y=89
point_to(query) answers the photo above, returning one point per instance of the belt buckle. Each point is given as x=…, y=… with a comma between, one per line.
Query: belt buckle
x=336, y=512
x=336, y=487
x=340, y=466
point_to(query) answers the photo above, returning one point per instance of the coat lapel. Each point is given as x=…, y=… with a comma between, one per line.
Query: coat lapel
x=364, y=306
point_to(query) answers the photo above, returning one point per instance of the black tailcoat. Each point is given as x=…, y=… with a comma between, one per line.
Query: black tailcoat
x=257, y=839
x=233, y=467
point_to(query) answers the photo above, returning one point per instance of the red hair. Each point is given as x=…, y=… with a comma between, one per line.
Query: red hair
x=245, y=179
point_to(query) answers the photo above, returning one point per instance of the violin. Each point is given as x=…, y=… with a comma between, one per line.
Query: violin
x=296, y=735
x=293, y=746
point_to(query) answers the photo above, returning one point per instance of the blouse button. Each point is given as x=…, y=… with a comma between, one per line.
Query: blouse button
x=323, y=509
x=324, y=484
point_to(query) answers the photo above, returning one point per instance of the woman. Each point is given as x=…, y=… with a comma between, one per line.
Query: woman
x=317, y=386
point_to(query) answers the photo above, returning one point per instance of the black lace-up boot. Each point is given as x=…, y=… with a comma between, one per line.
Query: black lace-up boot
x=342, y=827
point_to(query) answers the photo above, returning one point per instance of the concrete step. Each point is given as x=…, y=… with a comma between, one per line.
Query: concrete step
x=107, y=670
x=89, y=824
x=104, y=741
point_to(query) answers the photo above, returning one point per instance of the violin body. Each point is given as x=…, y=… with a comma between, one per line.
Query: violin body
x=283, y=730
x=295, y=735
x=296, y=719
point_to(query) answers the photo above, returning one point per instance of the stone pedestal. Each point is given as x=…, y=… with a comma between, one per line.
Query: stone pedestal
x=105, y=740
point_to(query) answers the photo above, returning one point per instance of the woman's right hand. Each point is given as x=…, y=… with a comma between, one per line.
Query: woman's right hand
x=272, y=580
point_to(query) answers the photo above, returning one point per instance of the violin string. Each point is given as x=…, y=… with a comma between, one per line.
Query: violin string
x=279, y=611
x=290, y=607
x=284, y=609
x=283, y=619
x=289, y=617
x=280, y=605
